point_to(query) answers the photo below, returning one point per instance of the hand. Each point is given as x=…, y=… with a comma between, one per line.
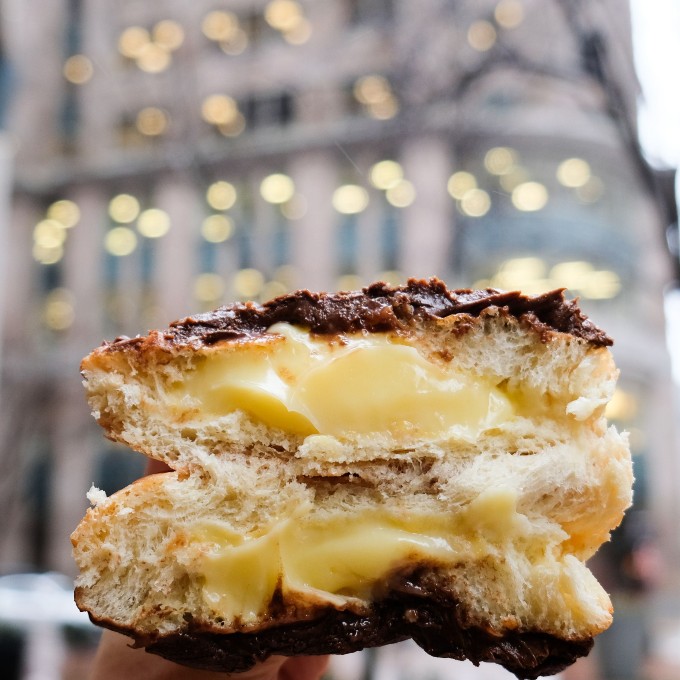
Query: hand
x=116, y=659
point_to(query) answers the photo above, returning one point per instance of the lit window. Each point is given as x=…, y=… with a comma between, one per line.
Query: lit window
x=208, y=287
x=221, y=195
x=515, y=176
x=283, y=15
x=509, y=13
x=277, y=188
x=530, y=196
x=132, y=41
x=295, y=208
x=500, y=160
x=248, y=283
x=153, y=58
x=350, y=199
x=153, y=223
x=527, y=274
x=220, y=26
x=481, y=36
x=217, y=228
x=168, y=34
x=47, y=254
x=49, y=234
x=273, y=289
x=572, y=275
x=300, y=33
x=460, y=183
x=124, y=208
x=58, y=310
x=152, y=121
x=386, y=174
x=349, y=282
x=120, y=241
x=401, y=195
x=78, y=69
x=377, y=97
x=66, y=212
x=623, y=406
x=219, y=109
x=602, y=285
x=573, y=172
x=475, y=203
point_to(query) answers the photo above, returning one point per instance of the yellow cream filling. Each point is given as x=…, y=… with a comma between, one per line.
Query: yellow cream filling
x=344, y=556
x=362, y=383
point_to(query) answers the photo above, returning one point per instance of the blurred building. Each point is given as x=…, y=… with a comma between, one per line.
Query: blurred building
x=171, y=156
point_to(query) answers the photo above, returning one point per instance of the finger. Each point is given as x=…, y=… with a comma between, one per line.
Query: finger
x=304, y=668
x=154, y=466
x=117, y=659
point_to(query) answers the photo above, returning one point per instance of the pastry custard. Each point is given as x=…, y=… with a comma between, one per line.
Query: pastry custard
x=355, y=469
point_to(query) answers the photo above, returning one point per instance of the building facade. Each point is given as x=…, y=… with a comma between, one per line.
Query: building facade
x=173, y=156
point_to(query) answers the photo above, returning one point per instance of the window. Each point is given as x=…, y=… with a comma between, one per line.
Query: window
x=370, y=11
x=269, y=111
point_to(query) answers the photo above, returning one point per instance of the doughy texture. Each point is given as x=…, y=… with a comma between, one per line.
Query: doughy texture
x=356, y=469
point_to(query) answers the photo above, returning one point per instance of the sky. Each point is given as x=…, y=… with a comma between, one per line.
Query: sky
x=656, y=39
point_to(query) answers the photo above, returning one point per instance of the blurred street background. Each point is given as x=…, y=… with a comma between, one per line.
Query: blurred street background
x=162, y=158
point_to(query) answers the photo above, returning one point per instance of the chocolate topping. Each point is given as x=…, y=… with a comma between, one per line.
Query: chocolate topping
x=412, y=609
x=380, y=307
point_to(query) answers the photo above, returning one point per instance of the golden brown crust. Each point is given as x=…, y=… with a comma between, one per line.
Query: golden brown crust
x=413, y=607
x=418, y=604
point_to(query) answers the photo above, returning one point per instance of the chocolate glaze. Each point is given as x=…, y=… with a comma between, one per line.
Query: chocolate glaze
x=413, y=608
x=380, y=307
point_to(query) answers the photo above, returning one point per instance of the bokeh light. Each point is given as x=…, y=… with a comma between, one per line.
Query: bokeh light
x=153, y=223
x=386, y=174
x=475, y=203
x=78, y=69
x=132, y=41
x=168, y=34
x=460, y=183
x=219, y=109
x=221, y=195
x=277, y=188
x=350, y=199
x=66, y=212
x=120, y=241
x=152, y=121
x=58, y=309
x=124, y=208
x=217, y=228
x=153, y=58
x=401, y=195
x=529, y=196
x=300, y=33
x=49, y=233
x=573, y=172
x=219, y=25
x=248, y=283
x=208, y=287
x=481, y=36
x=509, y=13
x=283, y=15
x=500, y=160
x=295, y=208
